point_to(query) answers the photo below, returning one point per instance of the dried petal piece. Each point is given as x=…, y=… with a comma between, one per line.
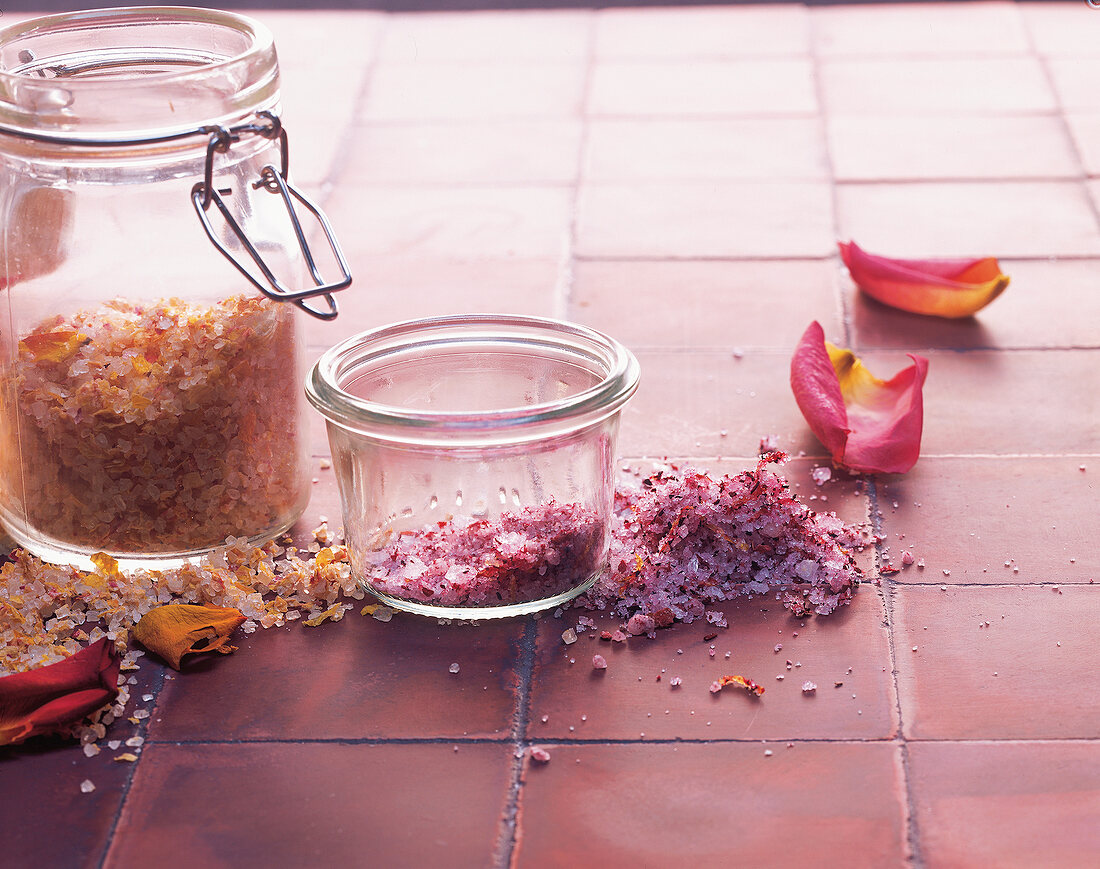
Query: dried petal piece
x=175, y=630
x=333, y=613
x=868, y=425
x=56, y=346
x=938, y=287
x=741, y=681
x=49, y=698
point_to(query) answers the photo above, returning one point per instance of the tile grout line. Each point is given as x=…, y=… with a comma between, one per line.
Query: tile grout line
x=142, y=731
x=335, y=169
x=567, y=273
x=888, y=588
x=839, y=297
x=613, y=257
x=872, y=492
x=624, y=740
x=1061, y=114
x=504, y=852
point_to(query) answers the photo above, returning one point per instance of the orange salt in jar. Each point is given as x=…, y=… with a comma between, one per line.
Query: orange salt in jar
x=153, y=261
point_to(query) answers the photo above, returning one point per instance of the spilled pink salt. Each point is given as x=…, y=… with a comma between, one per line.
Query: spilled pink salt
x=684, y=541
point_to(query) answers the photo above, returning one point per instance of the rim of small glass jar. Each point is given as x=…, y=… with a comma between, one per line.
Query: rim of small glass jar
x=261, y=42
x=620, y=380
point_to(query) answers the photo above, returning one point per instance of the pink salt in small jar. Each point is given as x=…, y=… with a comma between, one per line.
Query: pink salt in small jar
x=475, y=459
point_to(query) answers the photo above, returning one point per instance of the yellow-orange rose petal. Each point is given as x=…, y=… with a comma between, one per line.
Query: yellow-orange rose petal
x=868, y=425
x=950, y=288
x=176, y=630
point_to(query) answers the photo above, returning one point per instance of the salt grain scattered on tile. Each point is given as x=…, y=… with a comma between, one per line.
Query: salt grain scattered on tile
x=86, y=786
x=541, y=755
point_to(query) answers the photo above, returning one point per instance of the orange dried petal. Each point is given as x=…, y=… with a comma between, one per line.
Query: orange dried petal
x=743, y=682
x=54, y=346
x=175, y=630
x=949, y=288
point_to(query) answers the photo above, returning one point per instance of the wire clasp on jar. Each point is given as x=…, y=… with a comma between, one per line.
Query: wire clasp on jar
x=273, y=180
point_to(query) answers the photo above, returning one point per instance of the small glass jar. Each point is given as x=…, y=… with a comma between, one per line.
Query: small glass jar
x=475, y=459
x=150, y=391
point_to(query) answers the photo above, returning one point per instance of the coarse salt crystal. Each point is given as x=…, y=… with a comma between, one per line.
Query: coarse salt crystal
x=569, y=636
x=541, y=755
x=809, y=687
x=599, y=662
x=640, y=624
x=454, y=668
x=675, y=682
x=86, y=786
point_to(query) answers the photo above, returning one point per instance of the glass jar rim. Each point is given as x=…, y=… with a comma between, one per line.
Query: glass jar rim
x=224, y=83
x=617, y=366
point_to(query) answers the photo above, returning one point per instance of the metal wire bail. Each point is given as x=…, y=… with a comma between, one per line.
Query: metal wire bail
x=274, y=181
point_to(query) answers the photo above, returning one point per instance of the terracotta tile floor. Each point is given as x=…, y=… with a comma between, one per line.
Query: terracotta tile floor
x=677, y=177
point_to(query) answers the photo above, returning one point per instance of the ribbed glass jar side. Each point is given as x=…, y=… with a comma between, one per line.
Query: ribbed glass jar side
x=475, y=459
